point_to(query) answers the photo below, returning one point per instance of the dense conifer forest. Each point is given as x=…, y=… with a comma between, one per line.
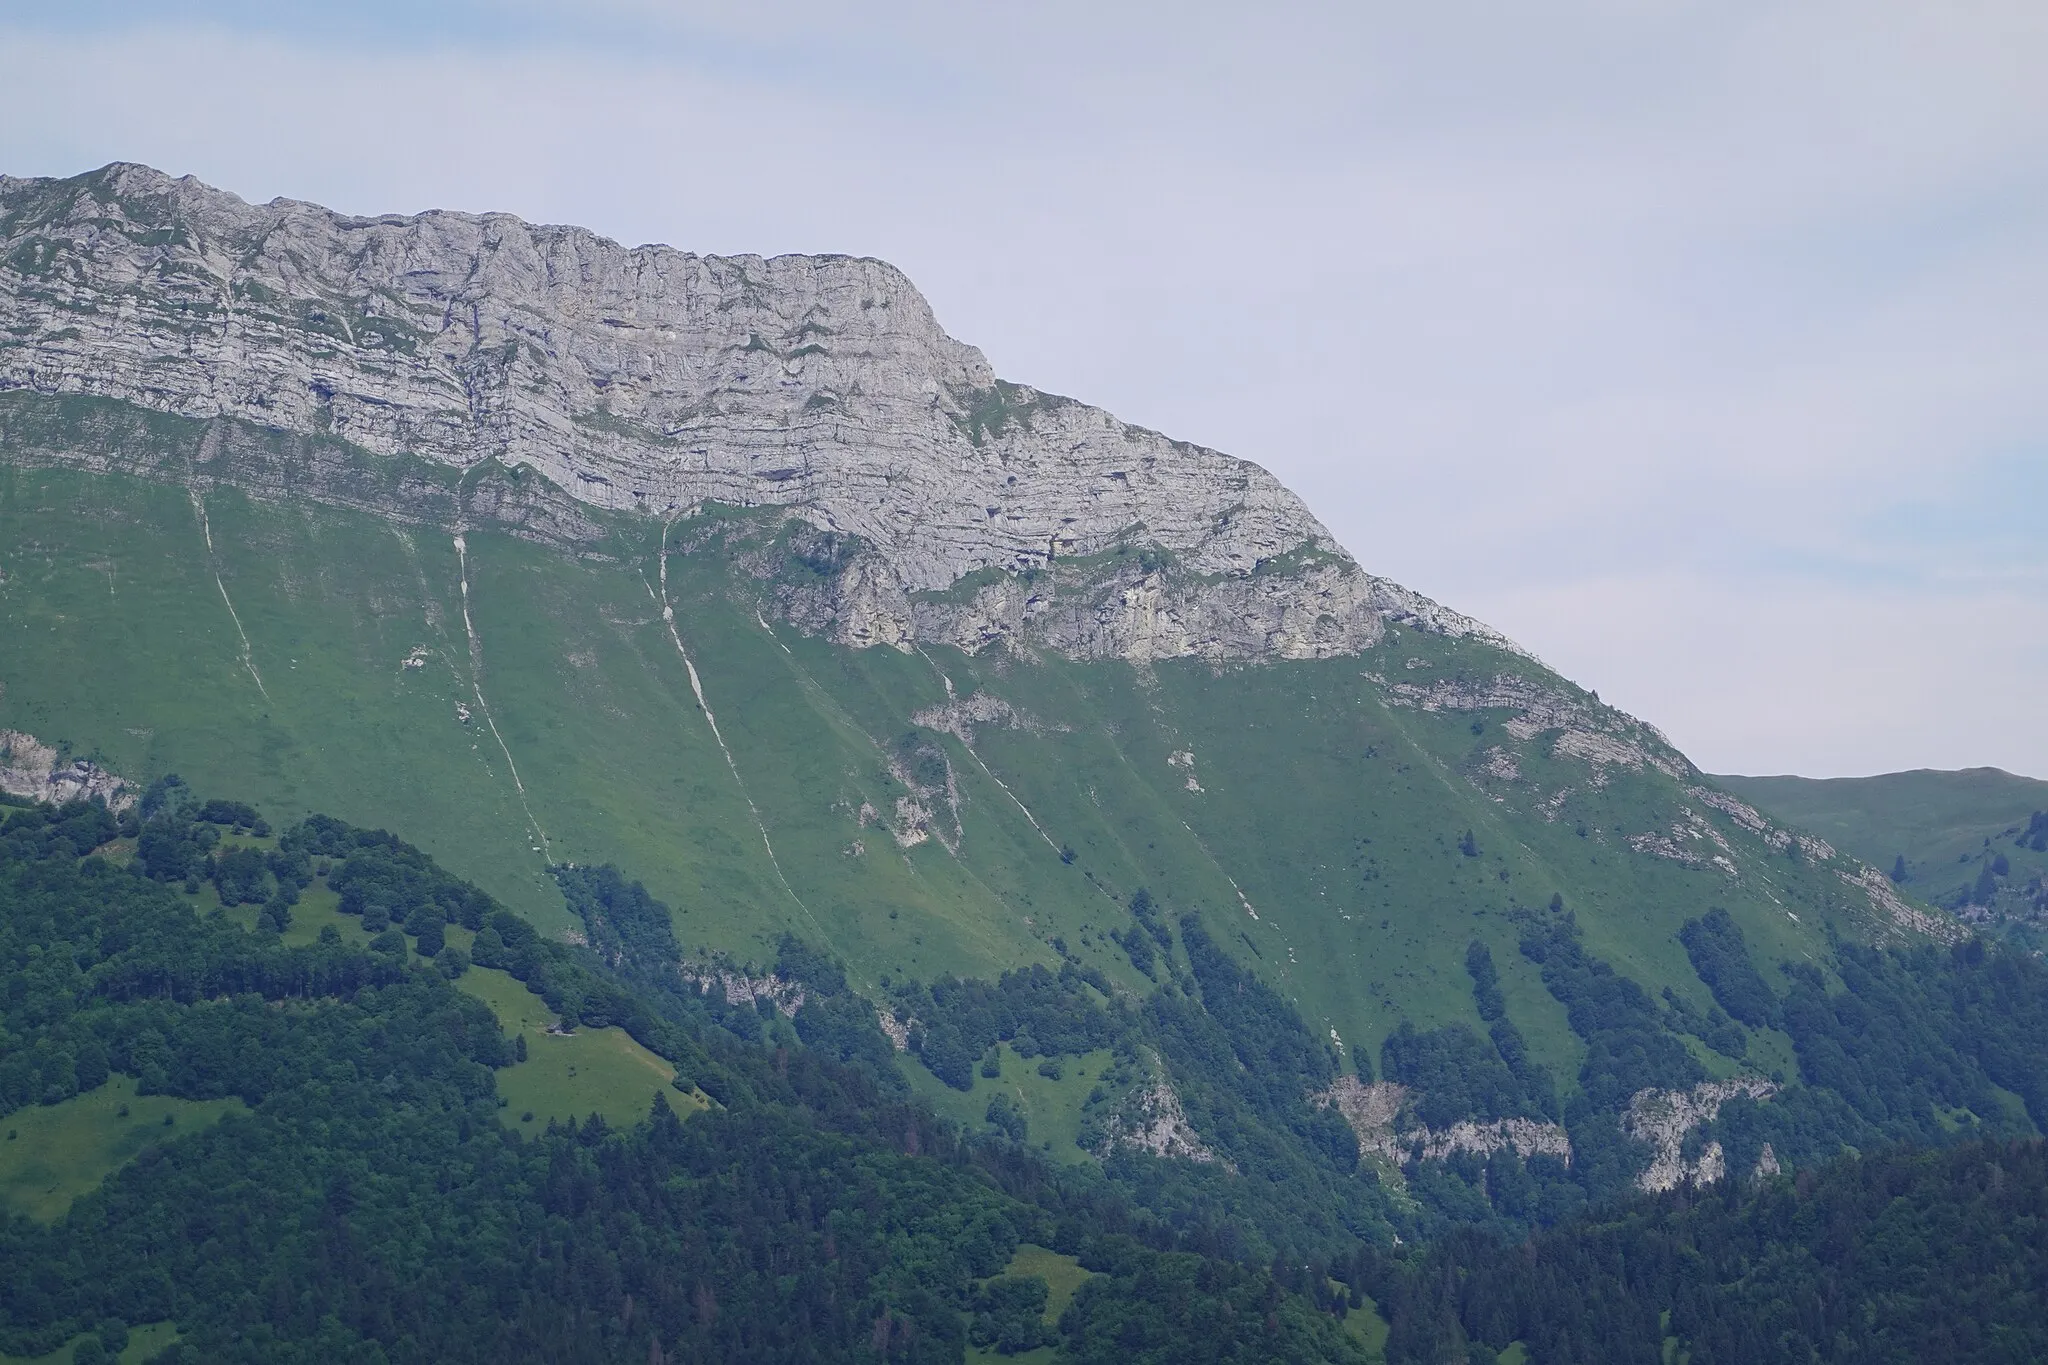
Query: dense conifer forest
x=1905, y=1255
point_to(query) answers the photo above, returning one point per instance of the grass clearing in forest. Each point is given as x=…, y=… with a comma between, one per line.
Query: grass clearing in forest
x=591, y=1071
x=1052, y=1108
x=54, y=1153
x=143, y=1343
x=1062, y=1275
x=1370, y=1329
x=317, y=909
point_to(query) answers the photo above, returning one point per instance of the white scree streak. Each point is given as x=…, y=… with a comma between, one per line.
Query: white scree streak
x=248, y=656
x=668, y=619
x=476, y=684
x=964, y=733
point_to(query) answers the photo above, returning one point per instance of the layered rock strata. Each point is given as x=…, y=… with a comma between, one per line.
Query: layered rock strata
x=655, y=379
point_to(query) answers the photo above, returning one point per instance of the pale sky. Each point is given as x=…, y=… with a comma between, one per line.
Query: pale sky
x=1702, y=348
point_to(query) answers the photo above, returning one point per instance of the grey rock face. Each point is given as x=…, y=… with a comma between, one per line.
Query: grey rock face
x=650, y=378
x=31, y=768
x=1663, y=1118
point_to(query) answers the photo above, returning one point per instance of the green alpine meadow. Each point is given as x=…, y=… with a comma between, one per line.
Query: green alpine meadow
x=576, y=803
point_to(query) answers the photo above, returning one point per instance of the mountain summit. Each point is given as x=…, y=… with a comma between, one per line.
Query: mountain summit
x=655, y=380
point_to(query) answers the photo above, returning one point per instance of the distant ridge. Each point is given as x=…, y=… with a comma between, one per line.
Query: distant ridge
x=1947, y=825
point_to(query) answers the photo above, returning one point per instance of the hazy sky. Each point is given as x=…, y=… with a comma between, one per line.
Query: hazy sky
x=1703, y=348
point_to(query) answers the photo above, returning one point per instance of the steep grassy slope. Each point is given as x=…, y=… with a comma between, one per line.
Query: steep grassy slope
x=1345, y=826
x=1947, y=826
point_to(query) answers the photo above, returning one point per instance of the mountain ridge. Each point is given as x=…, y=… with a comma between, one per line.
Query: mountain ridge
x=653, y=379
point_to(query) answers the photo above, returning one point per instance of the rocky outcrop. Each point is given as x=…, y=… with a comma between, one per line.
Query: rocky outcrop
x=31, y=768
x=1307, y=607
x=656, y=380
x=737, y=988
x=1151, y=1119
x=1903, y=917
x=959, y=716
x=1664, y=1118
x=1689, y=840
x=897, y=1031
x=1374, y=1112
x=1578, y=726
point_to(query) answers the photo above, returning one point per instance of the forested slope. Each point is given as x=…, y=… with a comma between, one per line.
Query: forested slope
x=786, y=1197
x=376, y=1204
x=1897, y=1256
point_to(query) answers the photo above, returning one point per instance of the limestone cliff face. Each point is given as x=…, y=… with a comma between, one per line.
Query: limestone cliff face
x=650, y=378
x=31, y=768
